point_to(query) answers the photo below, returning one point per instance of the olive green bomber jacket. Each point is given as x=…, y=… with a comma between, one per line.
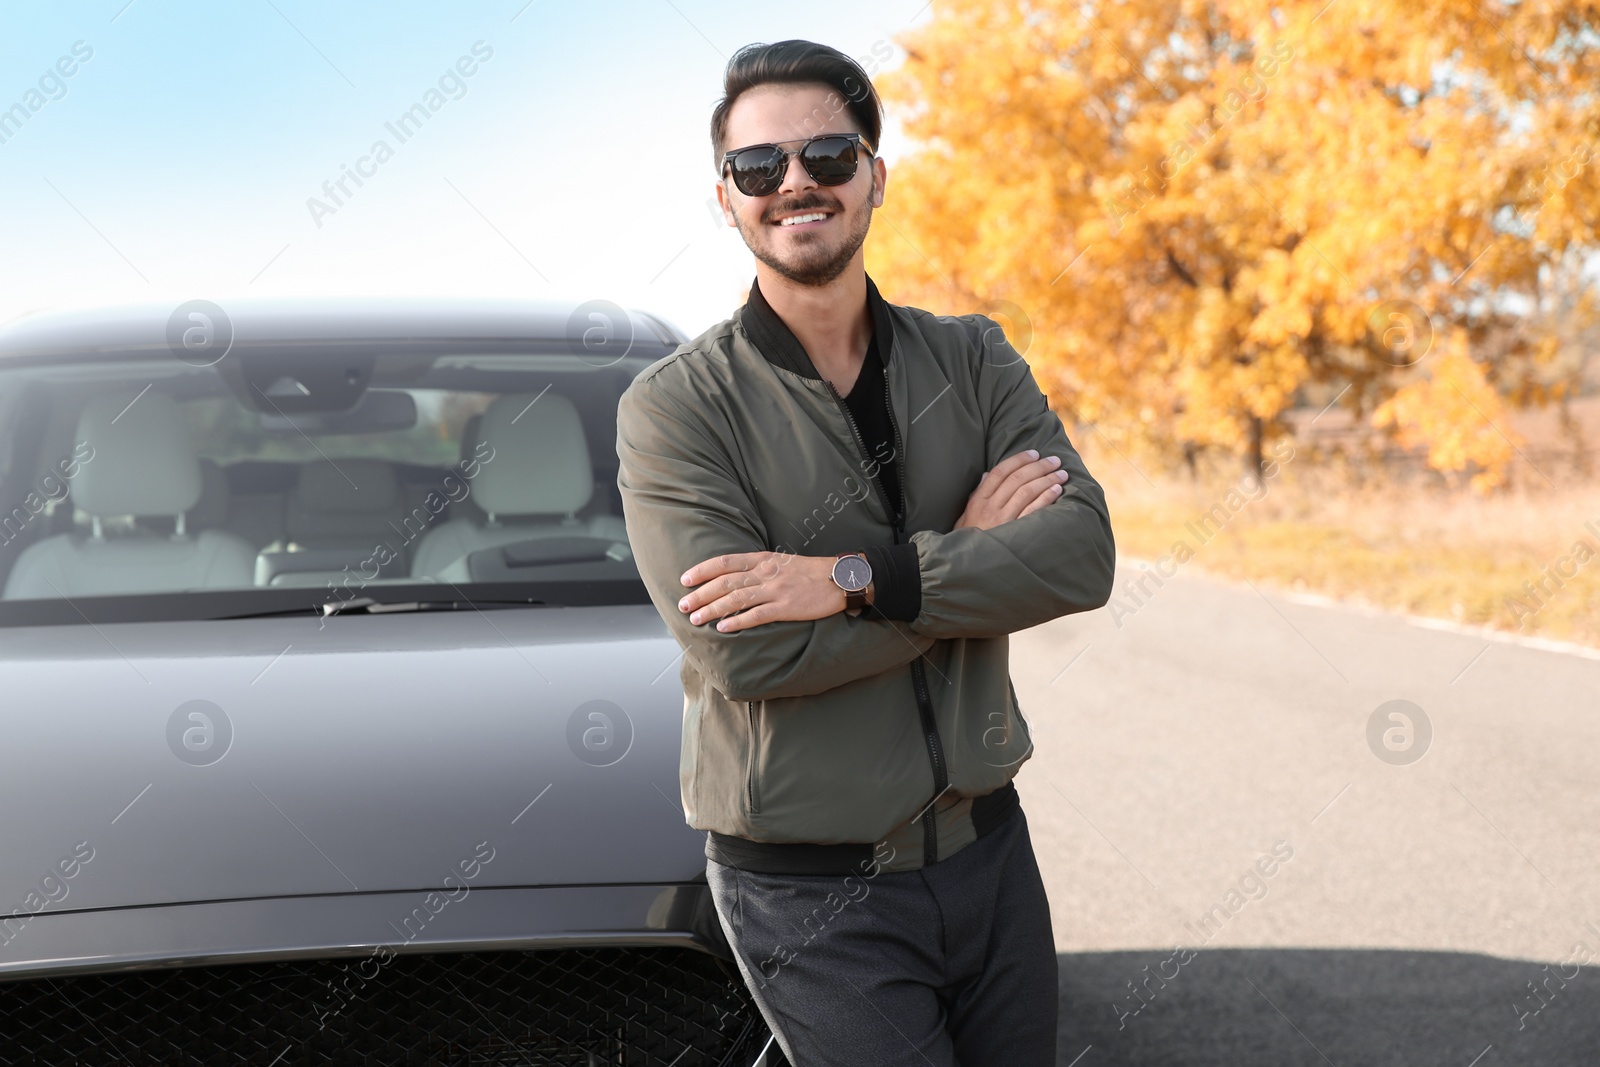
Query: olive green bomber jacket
x=865, y=728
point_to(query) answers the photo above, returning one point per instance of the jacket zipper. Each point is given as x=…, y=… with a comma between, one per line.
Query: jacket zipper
x=919, y=678
x=750, y=764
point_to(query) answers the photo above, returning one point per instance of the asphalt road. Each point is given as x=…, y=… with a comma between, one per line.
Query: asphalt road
x=1218, y=827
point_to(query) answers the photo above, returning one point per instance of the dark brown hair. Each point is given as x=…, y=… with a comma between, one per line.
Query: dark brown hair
x=797, y=62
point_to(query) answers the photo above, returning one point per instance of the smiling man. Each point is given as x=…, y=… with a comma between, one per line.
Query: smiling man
x=841, y=508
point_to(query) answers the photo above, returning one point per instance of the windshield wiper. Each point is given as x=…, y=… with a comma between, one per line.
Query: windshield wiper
x=365, y=605
x=368, y=606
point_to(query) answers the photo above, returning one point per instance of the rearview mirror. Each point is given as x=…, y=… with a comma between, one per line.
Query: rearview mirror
x=378, y=411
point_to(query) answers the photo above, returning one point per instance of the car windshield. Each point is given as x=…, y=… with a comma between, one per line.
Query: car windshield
x=136, y=486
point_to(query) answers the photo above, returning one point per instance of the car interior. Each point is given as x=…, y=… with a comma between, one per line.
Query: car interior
x=151, y=510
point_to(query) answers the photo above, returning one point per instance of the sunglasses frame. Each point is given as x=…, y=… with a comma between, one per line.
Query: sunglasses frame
x=859, y=141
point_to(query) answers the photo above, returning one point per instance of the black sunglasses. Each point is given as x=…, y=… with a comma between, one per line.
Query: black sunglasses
x=830, y=159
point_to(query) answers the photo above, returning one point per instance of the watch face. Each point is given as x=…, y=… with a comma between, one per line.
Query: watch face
x=852, y=573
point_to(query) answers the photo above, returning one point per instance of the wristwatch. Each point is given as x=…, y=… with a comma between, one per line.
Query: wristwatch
x=852, y=573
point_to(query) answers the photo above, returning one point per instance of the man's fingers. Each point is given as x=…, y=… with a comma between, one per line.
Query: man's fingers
x=719, y=565
x=745, y=619
x=1051, y=494
x=738, y=599
x=714, y=589
x=1030, y=489
x=1009, y=465
x=993, y=481
x=1014, y=472
x=1024, y=486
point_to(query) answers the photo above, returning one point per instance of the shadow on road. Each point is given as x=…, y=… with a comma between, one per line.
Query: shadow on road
x=1287, y=1007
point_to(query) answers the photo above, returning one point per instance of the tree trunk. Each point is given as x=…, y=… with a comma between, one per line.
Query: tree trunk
x=1252, y=457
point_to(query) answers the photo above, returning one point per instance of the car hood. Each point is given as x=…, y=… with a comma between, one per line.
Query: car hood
x=518, y=747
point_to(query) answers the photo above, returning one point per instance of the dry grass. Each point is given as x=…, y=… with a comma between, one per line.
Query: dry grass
x=1416, y=548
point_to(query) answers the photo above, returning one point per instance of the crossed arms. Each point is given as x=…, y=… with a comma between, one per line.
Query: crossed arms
x=760, y=624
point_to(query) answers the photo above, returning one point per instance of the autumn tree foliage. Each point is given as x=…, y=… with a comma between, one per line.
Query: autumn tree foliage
x=1195, y=213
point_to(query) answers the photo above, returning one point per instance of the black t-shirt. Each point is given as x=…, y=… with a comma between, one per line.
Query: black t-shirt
x=869, y=407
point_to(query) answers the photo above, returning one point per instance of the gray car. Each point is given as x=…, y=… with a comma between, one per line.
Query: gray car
x=338, y=726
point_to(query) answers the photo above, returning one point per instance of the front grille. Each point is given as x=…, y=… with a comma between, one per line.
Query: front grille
x=581, y=1007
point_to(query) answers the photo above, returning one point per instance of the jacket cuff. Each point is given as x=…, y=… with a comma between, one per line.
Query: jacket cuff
x=896, y=582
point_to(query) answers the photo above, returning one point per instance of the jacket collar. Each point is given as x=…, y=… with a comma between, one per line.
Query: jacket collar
x=778, y=343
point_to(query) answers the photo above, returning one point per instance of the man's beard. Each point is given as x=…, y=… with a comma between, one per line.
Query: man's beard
x=812, y=266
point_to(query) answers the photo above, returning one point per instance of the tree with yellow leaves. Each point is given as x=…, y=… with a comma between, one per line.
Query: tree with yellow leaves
x=1196, y=209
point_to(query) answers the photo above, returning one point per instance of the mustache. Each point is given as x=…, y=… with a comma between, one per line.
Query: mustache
x=805, y=205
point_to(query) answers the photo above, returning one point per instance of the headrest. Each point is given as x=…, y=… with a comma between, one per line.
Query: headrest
x=540, y=463
x=346, y=487
x=143, y=462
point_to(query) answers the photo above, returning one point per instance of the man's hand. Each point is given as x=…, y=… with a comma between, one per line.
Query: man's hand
x=762, y=587
x=1019, y=485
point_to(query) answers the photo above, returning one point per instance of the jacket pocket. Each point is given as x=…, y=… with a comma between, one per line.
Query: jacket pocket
x=752, y=775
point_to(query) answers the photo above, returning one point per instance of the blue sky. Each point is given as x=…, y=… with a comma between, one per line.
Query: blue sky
x=176, y=161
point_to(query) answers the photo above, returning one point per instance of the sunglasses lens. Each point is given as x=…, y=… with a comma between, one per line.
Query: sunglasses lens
x=758, y=171
x=830, y=160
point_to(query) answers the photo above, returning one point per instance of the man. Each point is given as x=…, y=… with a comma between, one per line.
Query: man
x=841, y=508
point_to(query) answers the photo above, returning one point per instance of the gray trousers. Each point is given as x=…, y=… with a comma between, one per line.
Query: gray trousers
x=952, y=964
